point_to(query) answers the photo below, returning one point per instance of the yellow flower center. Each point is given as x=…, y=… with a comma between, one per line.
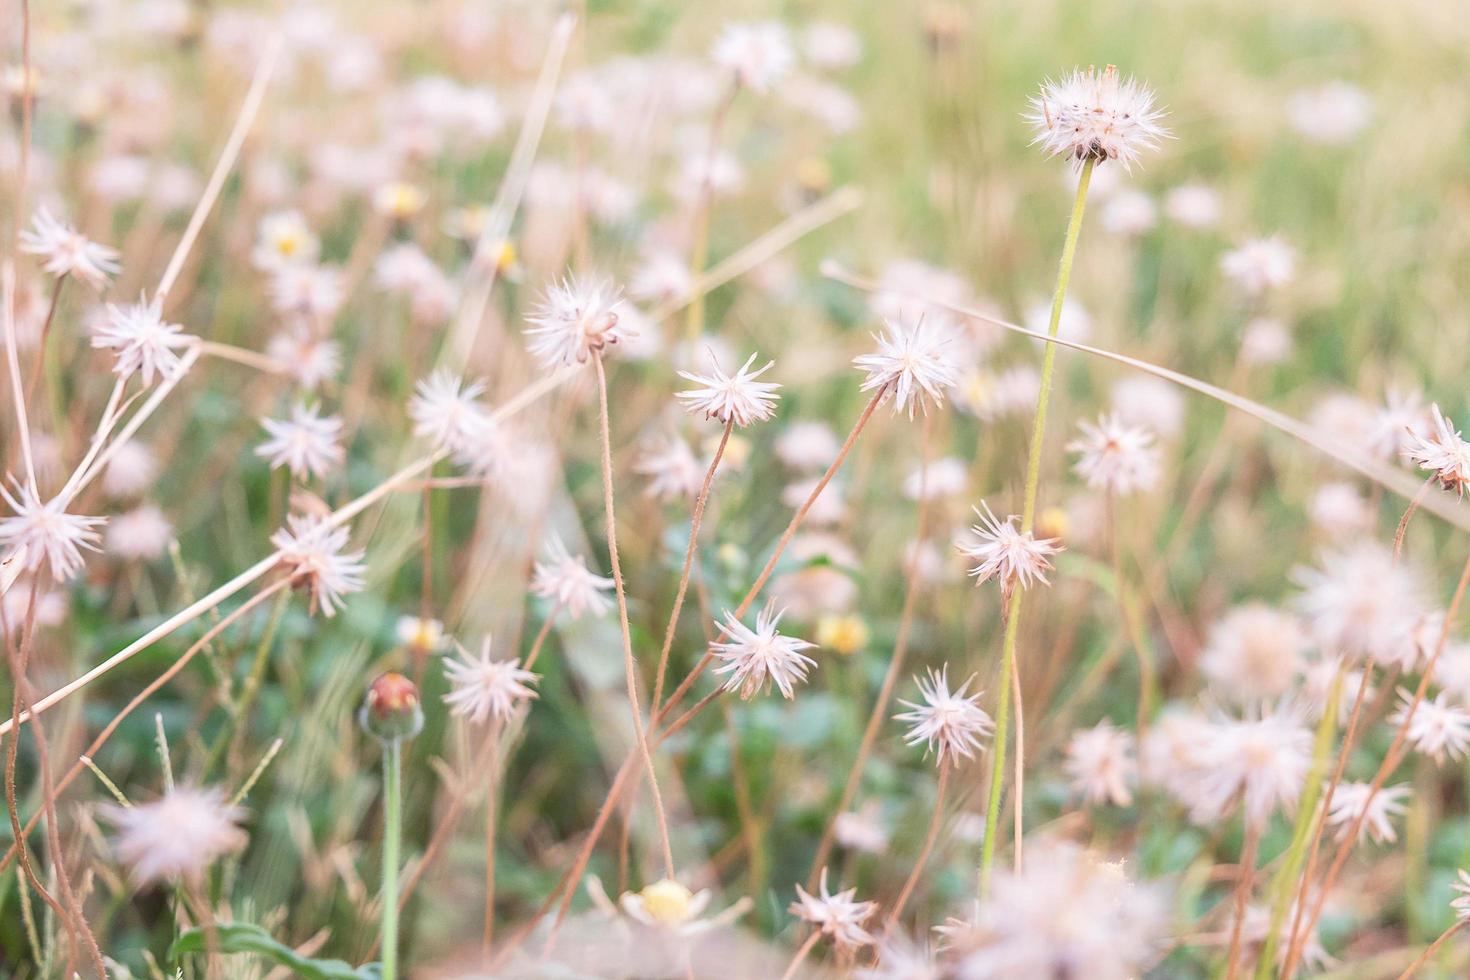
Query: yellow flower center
x=667, y=902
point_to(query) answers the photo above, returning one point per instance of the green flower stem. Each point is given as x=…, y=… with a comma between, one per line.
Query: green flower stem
x=392, y=831
x=1283, y=888
x=1028, y=515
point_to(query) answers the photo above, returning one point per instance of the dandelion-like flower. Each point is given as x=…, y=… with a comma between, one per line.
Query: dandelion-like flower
x=950, y=723
x=756, y=658
x=141, y=340
x=1442, y=452
x=1362, y=603
x=671, y=467
x=912, y=364
x=66, y=251
x=1438, y=729
x=566, y=580
x=447, y=411
x=284, y=238
x=485, y=689
x=1091, y=115
x=139, y=535
x=576, y=319
x=838, y=917
x=1260, y=265
x=1259, y=763
x=1352, y=800
x=47, y=533
x=1100, y=765
x=1116, y=458
x=758, y=53
x=312, y=550
x=1003, y=551
x=1253, y=653
x=176, y=837
x=736, y=398
x=306, y=443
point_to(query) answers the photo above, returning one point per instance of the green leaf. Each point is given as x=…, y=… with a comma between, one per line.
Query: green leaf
x=247, y=937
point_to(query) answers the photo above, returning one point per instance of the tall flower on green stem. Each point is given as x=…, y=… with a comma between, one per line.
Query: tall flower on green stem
x=1090, y=118
x=393, y=714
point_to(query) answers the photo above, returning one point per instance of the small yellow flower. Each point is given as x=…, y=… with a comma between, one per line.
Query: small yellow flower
x=842, y=634
x=813, y=173
x=1053, y=522
x=399, y=200
x=668, y=903
x=421, y=635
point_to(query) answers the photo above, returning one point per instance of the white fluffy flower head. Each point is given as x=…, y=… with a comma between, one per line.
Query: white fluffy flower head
x=951, y=724
x=47, y=532
x=757, y=658
x=759, y=53
x=484, y=689
x=1116, y=458
x=306, y=443
x=1092, y=115
x=66, y=251
x=566, y=580
x=1442, y=452
x=577, y=318
x=175, y=837
x=447, y=411
x=838, y=917
x=141, y=340
x=913, y=365
x=1002, y=551
x=312, y=550
x=736, y=399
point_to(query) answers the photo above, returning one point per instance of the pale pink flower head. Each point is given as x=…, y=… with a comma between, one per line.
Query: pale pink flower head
x=1359, y=602
x=1098, y=116
x=66, y=251
x=1004, y=552
x=1253, y=653
x=1351, y=801
x=446, y=410
x=486, y=690
x=577, y=317
x=735, y=399
x=312, y=549
x=307, y=443
x=47, y=533
x=142, y=534
x=757, y=658
x=1443, y=453
x=838, y=917
x=757, y=53
x=673, y=471
x=1260, y=265
x=1257, y=764
x=951, y=724
x=1116, y=458
x=141, y=341
x=176, y=837
x=1436, y=727
x=913, y=365
x=566, y=580
x=1100, y=765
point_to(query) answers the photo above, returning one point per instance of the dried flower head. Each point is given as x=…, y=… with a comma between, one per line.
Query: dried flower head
x=756, y=658
x=484, y=689
x=951, y=724
x=141, y=341
x=1002, y=551
x=737, y=399
x=577, y=317
x=566, y=580
x=312, y=551
x=446, y=410
x=66, y=251
x=838, y=917
x=913, y=365
x=176, y=837
x=1437, y=728
x=1442, y=452
x=306, y=443
x=1116, y=458
x=1353, y=800
x=758, y=53
x=47, y=533
x=1091, y=115
x=1099, y=763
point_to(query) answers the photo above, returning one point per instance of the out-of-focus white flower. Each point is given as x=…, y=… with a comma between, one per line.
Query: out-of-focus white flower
x=66, y=251
x=663, y=277
x=1260, y=264
x=807, y=446
x=399, y=200
x=1330, y=114
x=129, y=472
x=1067, y=914
x=141, y=341
x=1130, y=213
x=142, y=534
x=1265, y=340
x=1443, y=453
x=737, y=399
x=838, y=917
x=307, y=443
x=829, y=507
x=420, y=635
x=307, y=290
x=831, y=46
x=1353, y=800
x=1004, y=552
x=1193, y=205
x=483, y=689
x=861, y=830
x=1091, y=115
x=565, y=579
x=284, y=238
x=1253, y=653
x=1437, y=728
x=176, y=837
x=673, y=472
x=446, y=410
x=312, y=550
x=1075, y=324
x=901, y=958
x=1116, y=458
x=47, y=532
x=1318, y=678
x=1151, y=403
x=1258, y=764
x=1099, y=763
x=308, y=358
x=1400, y=420
x=912, y=365
x=757, y=53
x=668, y=905
x=1339, y=509
x=757, y=658
x=951, y=724
x=940, y=479
x=575, y=319
x=1361, y=603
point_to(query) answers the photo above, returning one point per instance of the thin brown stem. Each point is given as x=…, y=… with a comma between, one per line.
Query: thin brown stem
x=1245, y=876
x=935, y=822
x=802, y=952
x=1428, y=954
